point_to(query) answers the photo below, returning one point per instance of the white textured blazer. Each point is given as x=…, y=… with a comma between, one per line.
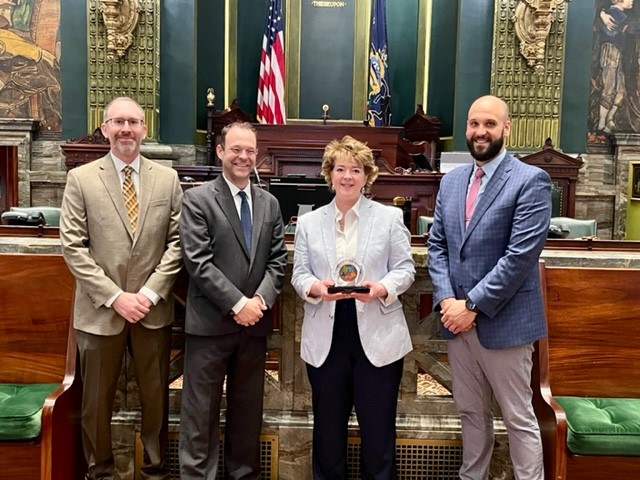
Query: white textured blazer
x=384, y=250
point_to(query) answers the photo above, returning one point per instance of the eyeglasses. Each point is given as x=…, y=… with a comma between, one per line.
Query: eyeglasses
x=251, y=152
x=119, y=122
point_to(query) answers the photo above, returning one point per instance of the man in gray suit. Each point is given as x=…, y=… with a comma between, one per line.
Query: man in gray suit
x=490, y=225
x=125, y=255
x=233, y=245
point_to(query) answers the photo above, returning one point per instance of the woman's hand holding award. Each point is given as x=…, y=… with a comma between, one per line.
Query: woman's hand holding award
x=348, y=274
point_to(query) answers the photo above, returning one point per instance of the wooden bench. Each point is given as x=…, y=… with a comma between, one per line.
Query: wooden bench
x=592, y=352
x=38, y=346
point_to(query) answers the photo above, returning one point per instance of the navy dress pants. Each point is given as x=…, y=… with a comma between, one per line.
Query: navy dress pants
x=347, y=379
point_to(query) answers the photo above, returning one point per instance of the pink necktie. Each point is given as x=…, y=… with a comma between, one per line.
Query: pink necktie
x=473, y=195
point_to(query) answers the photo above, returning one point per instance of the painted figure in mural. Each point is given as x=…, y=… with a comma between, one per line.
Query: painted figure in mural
x=615, y=69
x=616, y=24
x=29, y=71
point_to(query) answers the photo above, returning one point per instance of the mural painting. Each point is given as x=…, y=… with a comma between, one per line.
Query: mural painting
x=29, y=68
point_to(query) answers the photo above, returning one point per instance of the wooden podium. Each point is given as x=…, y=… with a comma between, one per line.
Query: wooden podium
x=296, y=149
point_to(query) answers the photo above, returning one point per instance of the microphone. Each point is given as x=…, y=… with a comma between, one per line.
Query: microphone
x=259, y=183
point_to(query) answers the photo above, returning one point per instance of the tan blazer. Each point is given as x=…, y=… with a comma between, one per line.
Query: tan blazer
x=101, y=252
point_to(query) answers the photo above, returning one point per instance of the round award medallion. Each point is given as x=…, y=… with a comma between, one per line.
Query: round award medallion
x=348, y=273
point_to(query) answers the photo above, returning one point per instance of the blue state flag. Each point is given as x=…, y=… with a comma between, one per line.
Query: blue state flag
x=379, y=94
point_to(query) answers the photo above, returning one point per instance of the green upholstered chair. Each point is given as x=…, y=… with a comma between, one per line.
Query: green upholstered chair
x=21, y=410
x=424, y=224
x=602, y=426
x=51, y=214
x=577, y=228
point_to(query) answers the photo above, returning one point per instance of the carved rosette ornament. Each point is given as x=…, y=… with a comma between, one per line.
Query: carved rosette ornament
x=533, y=19
x=120, y=20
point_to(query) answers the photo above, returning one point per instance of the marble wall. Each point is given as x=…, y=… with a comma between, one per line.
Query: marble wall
x=603, y=184
x=41, y=163
x=601, y=189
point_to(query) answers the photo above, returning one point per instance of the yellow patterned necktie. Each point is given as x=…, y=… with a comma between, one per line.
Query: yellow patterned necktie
x=130, y=198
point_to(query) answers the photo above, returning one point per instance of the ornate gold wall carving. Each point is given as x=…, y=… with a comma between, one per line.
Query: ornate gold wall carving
x=533, y=19
x=120, y=19
x=135, y=74
x=534, y=96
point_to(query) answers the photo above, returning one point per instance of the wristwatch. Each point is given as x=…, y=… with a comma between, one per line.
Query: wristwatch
x=471, y=306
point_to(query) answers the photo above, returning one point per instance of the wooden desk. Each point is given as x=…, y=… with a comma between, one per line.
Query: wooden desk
x=298, y=148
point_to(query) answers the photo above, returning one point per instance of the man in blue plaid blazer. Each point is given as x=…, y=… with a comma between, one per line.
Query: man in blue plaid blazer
x=486, y=286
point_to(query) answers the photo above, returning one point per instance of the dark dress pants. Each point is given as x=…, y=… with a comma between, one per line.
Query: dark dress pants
x=101, y=360
x=241, y=357
x=348, y=379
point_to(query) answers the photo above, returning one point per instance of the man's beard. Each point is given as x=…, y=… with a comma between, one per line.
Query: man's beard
x=491, y=152
x=129, y=146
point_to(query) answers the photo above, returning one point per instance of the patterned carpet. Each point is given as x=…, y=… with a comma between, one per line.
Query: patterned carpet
x=426, y=384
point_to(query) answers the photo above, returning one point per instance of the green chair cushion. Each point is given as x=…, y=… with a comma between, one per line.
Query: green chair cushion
x=577, y=228
x=602, y=426
x=51, y=214
x=423, y=225
x=21, y=409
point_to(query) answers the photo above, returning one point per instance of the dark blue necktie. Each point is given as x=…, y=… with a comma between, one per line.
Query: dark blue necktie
x=245, y=219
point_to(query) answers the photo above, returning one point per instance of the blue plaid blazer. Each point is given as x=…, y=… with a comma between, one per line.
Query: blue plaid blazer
x=494, y=260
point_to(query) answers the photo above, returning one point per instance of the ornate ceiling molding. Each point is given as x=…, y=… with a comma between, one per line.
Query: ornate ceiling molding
x=120, y=20
x=533, y=19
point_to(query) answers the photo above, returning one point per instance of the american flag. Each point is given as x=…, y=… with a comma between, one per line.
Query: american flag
x=270, y=108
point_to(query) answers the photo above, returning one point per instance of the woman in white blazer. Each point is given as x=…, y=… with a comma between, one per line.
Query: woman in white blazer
x=353, y=342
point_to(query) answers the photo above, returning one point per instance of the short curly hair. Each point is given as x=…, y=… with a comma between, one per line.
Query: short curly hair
x=353, y=150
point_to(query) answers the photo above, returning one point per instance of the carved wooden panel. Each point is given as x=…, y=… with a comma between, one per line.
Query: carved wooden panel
x=563, y=170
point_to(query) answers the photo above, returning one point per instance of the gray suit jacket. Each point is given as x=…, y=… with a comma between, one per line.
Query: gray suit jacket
x=494, y=260
x=103, y=255
x=384, y=250
x=220, y=268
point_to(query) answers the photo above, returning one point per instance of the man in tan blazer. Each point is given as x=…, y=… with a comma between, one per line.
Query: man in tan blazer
x=125, y=255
